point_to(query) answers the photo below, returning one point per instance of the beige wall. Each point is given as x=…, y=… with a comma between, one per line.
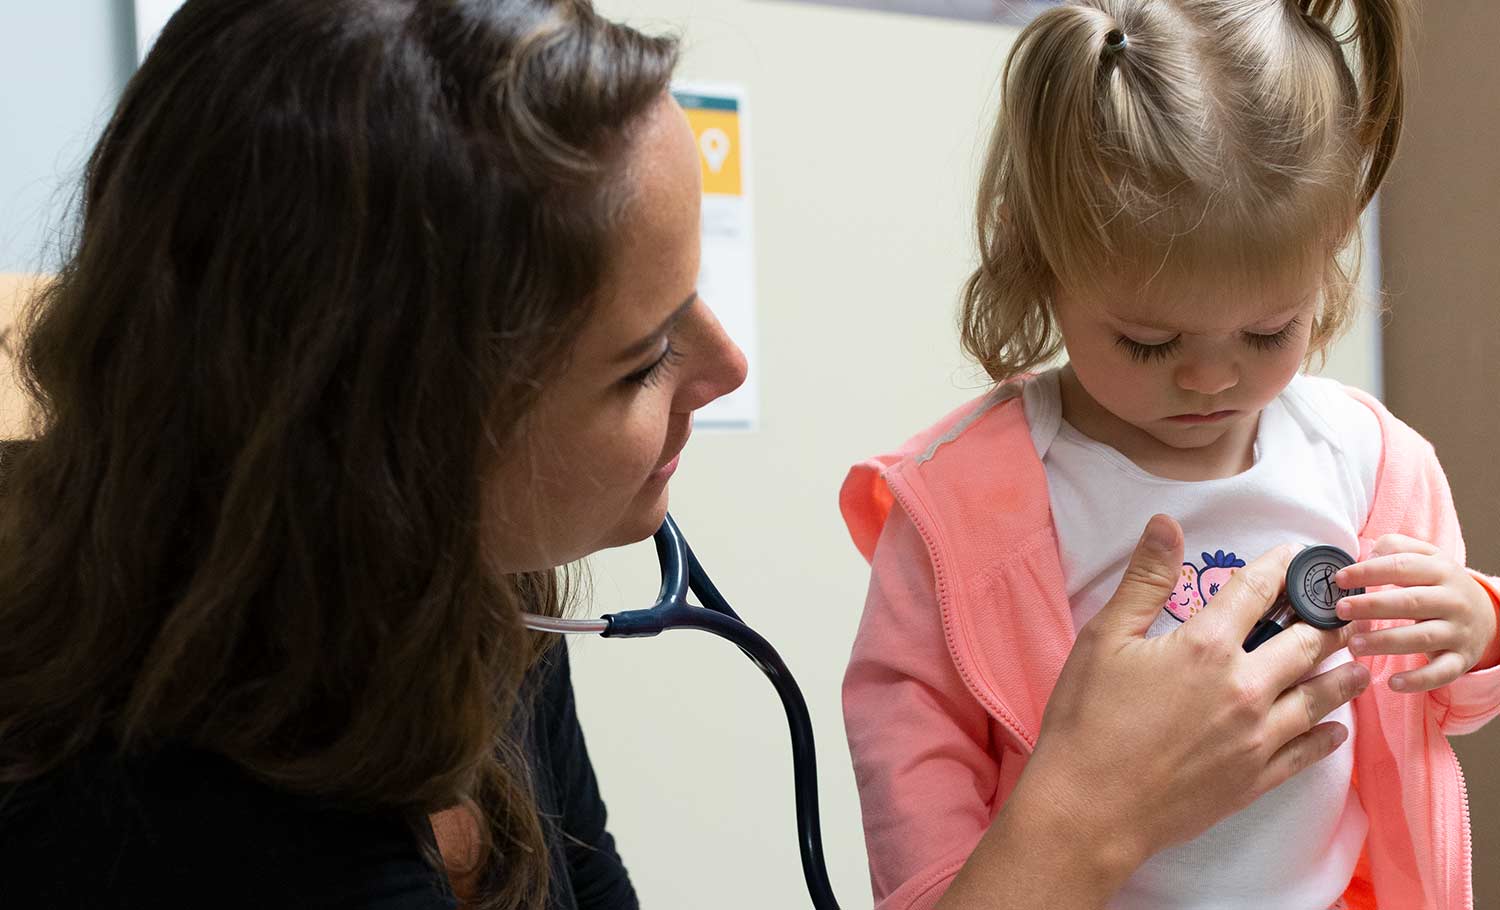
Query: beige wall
x=13, y=291
x=1442, y=246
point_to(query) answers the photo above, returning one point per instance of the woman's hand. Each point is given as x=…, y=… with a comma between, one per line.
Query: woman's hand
x=1454, y=617
x=1148, y=742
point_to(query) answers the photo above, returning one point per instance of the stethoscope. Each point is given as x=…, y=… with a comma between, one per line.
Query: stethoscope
x=681, y=572
x=1311, y=595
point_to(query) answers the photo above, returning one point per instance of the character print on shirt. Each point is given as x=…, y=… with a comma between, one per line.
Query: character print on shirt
x=1196, y=586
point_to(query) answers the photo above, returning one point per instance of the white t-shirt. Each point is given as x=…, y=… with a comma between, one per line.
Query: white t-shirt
x=1317, y=451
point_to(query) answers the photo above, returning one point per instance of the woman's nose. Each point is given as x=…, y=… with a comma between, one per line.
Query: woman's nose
x=716, y=365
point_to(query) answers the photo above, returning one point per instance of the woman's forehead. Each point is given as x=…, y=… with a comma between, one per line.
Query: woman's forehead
x=655, y=263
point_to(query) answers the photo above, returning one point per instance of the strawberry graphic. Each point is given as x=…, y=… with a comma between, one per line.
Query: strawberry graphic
x=1215, y=573
x=1186, y=599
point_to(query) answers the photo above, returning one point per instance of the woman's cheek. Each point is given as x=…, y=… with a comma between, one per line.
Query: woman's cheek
x=644, y=438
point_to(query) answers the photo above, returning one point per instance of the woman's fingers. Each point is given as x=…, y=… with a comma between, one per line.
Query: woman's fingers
x=1246, y=596
x=1303, y=706
x=1301, y=753
x=1149, y=579
x=1296, y=652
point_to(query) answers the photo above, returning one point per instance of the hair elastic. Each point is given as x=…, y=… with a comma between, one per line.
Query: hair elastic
x=1116, y=40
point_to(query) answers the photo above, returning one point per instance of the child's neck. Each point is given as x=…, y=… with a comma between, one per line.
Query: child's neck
x=1230, y=454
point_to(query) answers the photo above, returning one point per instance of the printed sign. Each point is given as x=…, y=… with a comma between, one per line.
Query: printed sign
x=726, y=278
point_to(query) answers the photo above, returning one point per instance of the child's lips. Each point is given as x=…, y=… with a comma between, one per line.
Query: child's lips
x=1213, y=417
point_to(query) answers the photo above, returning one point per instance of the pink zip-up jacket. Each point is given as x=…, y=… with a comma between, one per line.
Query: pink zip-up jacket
x=966, y=629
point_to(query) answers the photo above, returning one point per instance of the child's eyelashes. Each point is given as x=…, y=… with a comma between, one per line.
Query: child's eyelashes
x=1274, y=340
x=1145, y=353
x=1141, y=352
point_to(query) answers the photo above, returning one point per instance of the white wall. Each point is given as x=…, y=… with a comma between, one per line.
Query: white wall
x=62, y=66
x=868, y=129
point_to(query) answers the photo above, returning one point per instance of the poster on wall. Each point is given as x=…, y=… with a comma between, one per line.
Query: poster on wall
x=726, y=277
x=1007, y=11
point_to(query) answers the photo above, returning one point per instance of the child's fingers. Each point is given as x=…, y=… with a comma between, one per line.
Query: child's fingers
x=1400, y=543
x=1418, y=638
x=1440, y=671
x=1404, y=569
x=1426, y=602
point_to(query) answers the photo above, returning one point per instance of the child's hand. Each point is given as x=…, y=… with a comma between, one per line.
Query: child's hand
x=1455, y=617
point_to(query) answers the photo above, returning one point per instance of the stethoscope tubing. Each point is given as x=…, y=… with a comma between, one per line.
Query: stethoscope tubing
x=681, y=572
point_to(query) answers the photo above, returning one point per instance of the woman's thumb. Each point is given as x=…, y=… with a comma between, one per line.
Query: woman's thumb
x=1150, y=578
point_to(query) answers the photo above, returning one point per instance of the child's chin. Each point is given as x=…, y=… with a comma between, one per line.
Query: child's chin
x=1193, y=436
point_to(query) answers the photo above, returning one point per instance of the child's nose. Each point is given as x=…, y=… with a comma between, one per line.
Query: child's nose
x=1207, y=377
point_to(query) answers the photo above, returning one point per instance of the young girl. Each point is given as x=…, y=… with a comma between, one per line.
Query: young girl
x=1165, y=195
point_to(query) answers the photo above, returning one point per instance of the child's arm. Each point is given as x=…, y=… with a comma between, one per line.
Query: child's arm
x=1433, y=606
x=919, y=740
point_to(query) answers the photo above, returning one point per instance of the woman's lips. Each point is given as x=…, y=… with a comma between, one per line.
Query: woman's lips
x=670, y=467
x=667, y=470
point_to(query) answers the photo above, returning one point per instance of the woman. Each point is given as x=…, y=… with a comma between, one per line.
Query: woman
x=381, y=311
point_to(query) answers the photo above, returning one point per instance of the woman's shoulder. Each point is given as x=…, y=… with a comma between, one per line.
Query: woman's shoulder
x=169, y=829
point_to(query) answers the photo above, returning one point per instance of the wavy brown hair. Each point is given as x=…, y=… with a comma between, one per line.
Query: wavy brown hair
x=1144, y=144
x=329, y=253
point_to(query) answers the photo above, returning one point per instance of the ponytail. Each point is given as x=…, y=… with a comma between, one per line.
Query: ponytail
x=1089, y=90
x=1380, y=30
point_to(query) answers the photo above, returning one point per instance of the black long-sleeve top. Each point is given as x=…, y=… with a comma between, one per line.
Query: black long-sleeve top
x=191, y=829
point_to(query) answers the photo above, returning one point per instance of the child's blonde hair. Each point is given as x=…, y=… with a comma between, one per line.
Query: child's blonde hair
x=1142, y=144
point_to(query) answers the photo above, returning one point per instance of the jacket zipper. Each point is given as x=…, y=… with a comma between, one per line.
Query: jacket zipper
x=1463, y=801
x=1000, y=716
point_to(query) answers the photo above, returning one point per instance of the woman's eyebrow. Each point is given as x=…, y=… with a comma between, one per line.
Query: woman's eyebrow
x=641, y=348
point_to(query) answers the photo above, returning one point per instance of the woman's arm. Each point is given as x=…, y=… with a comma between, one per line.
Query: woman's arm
x=1119, y=774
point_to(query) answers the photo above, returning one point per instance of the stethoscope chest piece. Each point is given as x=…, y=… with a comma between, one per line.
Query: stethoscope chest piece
x=1311, y=595
x=1311, y=588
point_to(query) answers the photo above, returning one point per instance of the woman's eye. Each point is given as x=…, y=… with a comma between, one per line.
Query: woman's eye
x=654, y=371
x=1145, y=353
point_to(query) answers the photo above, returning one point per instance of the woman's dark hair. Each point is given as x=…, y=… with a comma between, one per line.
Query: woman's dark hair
x=329, y=253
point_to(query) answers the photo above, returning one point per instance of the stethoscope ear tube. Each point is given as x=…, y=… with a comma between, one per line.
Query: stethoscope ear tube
x=1272, y=624
x=1311, y=595
x=680, y=573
